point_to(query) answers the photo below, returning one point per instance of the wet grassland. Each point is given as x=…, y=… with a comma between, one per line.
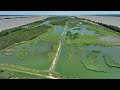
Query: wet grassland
x=89, y=50
x=85, y=55
x=31, y=46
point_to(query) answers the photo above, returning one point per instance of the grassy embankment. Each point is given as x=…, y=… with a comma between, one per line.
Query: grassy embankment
x=17, y=72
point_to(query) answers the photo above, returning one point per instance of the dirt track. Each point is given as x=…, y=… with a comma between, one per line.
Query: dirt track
x=52, y=67
x=51, y=77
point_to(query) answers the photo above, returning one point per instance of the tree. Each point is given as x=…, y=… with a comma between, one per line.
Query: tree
x=76, y=35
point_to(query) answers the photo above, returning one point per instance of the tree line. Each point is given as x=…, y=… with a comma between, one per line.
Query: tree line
x=72, y=36
x=8, y=31
x=22, y=35
x=112, y=27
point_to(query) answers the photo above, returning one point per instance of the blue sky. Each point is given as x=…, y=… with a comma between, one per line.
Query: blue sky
x=57, y=12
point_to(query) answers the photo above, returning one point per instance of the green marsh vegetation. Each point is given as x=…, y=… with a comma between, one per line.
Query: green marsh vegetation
x=61, y=23
x=72, y=23
x=8, y=71
x=7, y=74
x=92, y=62
x=110, y=62
x=81, y=40
x=30, y=49
x=35, y=49
x=79, y=62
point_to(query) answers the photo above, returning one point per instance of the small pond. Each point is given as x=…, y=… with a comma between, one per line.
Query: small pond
x=58, y=29
x=81, y=29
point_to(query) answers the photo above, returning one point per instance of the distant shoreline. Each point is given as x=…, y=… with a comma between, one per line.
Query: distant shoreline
x=7, y=22
x=109, y=20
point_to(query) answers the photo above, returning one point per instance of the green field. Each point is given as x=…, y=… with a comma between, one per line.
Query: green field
x=86, y=56
x=60, y=47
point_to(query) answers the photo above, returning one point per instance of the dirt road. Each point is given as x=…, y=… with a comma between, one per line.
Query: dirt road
x=29, y=73
x=58, y=50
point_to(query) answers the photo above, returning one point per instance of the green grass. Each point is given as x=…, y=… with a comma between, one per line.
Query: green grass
x=37, y=53
x=51, y=55
x=68, y=67
x=72, y=23
x=84, y=40
x=46, y=37
x=22, y=35
x=61, y=23
x=73, y=61
x=6, y=74
x=21, y=54
x=8, y=71
x=101, y=30
x=57, y=18
x=21, y=68
x=110, y=62
x=91, y=62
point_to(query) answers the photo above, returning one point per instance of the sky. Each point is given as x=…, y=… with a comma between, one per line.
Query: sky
x=58, y=12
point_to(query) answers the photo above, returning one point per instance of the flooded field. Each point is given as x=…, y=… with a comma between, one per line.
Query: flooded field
x=58, y=30
x=60, y=47
x=35, y=57
x=84, y=63
x=81, y=29
x=87, y=60
x=34, y=53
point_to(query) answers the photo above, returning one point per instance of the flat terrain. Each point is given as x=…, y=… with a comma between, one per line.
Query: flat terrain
x=110, y=20
x=15, y=22
x=60, y=47
x=11, y=17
